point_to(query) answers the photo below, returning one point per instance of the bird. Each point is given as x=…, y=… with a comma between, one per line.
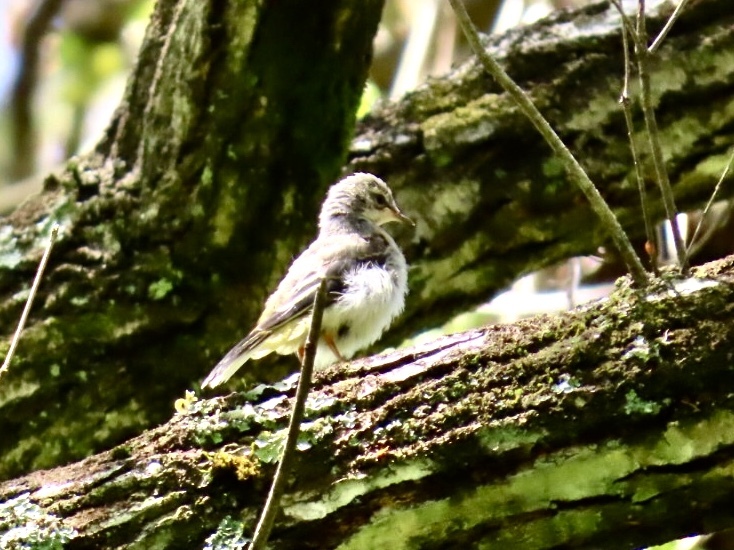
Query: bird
x=366, y=282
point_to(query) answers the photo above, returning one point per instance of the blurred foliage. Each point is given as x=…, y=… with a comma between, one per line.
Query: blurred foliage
x=85, y=56
x=85, y=65
x=371, y=95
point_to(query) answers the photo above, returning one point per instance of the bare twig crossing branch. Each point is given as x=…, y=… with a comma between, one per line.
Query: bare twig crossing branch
x=29, y=301
x=653, y=136
x=668, y=25
x=574, y=169
x=267, y=517
x=693, y=243
x=626, y=102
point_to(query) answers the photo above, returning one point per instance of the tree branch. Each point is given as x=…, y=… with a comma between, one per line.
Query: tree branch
x=573, y=168
x=207, y=181
x=490, y=200
x=554, y=431
x=164, y=267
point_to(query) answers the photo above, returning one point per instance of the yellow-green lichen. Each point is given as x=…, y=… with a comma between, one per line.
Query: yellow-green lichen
x=243, y=466
x=471, y=123
x=159, y=289
x=225, y=215
x=503, y=439
x=182, y=405
x=348, y=489
x=25, y=524
x=567, y=475
x=242, y=24
x=448, y=274
x=268, y=446
x=10, y=255
x=18, y=388
x=634, y=404
x=228, y=536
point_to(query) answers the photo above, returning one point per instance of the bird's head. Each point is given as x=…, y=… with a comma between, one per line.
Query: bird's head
x=363, y=196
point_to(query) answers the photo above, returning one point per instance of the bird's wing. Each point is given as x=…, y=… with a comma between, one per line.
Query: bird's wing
x=331, y=260
x=295, y=294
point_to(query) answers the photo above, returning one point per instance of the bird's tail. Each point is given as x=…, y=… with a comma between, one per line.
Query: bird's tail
x=235, y=358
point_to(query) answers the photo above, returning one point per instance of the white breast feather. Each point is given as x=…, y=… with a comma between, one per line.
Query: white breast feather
x=373, y=296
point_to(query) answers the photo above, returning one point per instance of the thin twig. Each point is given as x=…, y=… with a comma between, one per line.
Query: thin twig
x=626, y=21
x=625, y=97
x=267, y=517
x=29, y=301
x=711, y=201
x=668, y=25
x=573, y=168
x=723, y=217
x=624, y=100
x=653, y=137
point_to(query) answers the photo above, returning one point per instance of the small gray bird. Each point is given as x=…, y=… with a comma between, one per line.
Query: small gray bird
x=366, y=282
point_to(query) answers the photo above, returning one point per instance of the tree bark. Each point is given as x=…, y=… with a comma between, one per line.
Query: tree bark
x=606, y=427
x=491, y=200
x=175, y=228
x=235, y=120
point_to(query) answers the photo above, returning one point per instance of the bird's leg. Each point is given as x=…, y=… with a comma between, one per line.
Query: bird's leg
x=332, y=346
x=301, y=352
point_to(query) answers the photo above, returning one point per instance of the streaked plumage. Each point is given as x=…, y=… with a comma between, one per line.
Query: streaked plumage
x=366, y=282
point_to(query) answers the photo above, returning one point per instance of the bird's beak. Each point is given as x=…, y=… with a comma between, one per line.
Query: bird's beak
x=400, y=217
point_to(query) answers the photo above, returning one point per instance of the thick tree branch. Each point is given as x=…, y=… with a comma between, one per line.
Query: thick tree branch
x=492, y=202
x=614, y=419
x=234, y=122
x=174, y=230
x=576, y=174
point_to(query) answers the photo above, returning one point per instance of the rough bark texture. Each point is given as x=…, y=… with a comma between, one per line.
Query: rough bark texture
x=176, y=227
x=236, y=119
x=611, y=426
x=492, y=201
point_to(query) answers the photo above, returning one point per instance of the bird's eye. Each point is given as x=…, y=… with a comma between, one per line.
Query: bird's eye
x=379, y=200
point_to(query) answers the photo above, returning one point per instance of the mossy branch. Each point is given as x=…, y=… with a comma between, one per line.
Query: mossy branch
x=475, y=437
x=573, y=168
